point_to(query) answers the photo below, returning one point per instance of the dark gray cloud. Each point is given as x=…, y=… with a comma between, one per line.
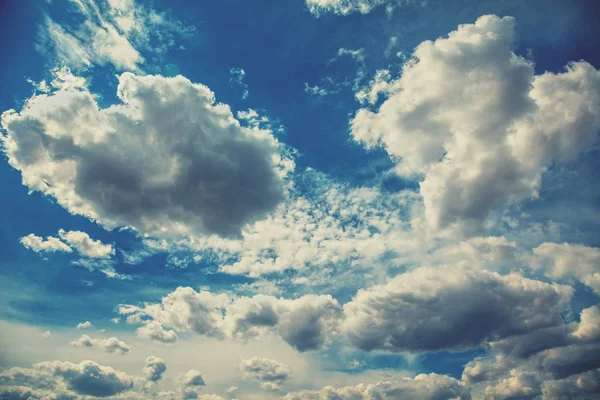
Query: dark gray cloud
x=168, y=161
x=66, y=379
x=449, y=308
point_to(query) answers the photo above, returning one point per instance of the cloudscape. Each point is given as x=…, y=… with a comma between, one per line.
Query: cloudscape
x=300, y=199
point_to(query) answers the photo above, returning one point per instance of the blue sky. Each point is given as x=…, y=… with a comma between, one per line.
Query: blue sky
x=353, y=199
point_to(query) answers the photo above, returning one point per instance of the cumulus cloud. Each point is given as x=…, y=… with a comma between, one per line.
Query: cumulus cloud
x=270, y=373
x=345, y=7
x=431, y=309
x=569, y=260
x=154, y=369
x=85, y=245
x=154, y=331
x=65, y=379
x=124, y=166
x=50, y=244
x=472, y=118
x=110, y=345
x=84, y=325
x=424, y=386
x=304, y=322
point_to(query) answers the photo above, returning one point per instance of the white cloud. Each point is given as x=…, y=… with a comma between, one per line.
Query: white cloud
x=50, y=244
x=122, y=167
x=329, y=226
x=345, y=7
x=431, y=309
x=423, y=387
x=155, y=368
x=569, y=260
x=153, y=330
x=113, y=33
x=236, y=77
x=84, y=325
x=85, y=245
x=110, y=345
x=270, y=373
x=470, y=116
x=304, y=323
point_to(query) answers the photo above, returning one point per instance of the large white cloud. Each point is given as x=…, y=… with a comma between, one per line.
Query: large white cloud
x=471, y=116
x=110, y=345
x=270, y=373
x=304, y=322
x=424, y=386
x=169, y=160
x=431, y=309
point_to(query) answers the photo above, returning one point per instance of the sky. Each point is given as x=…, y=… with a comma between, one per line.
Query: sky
x=301, y=199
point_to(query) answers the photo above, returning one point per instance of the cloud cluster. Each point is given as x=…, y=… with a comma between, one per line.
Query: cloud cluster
x=422, y=387
x=303, y=322
x=428, y=309
x=551, y=362
x=110, y=345
x=472, y=118
x=270, y=373
x=123, y=166
x=65, y=380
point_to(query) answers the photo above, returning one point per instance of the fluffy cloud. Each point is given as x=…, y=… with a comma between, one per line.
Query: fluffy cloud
x=569, y=260
x=431, y=309
x=193, y=378
x=123, y=166
x=110, y=345
x=154, y=331
x=66, y=380
x=270, y=373
x=85, y=245
x=303, y=323
x=470, y=116
x=345, y=7
x=154, y=369
x=84, y=325
x=38, y=244
x=424, y=386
